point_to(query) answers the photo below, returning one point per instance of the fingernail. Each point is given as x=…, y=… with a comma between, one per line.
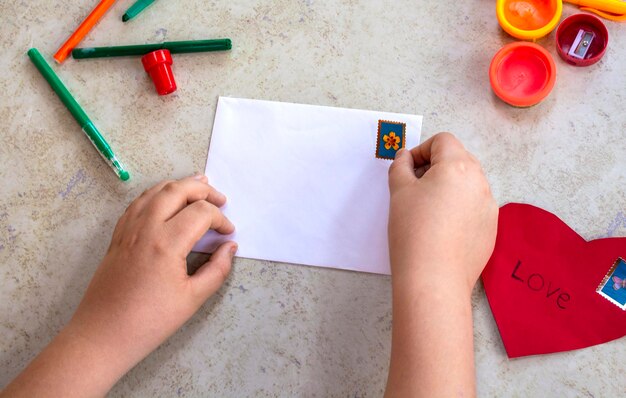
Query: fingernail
x=399, y=152
x=233, y=249
x=198, y=176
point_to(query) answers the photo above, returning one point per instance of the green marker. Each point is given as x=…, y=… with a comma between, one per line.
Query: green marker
x=136, y=8
x=175, y=47
x=79, y=114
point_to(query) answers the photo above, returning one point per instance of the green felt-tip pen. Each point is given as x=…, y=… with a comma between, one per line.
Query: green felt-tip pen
x=79, y=114
x=174, y=47
x=135, y=9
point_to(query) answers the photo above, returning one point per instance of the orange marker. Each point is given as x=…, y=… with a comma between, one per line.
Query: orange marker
x=82, y=30
x=615, y=10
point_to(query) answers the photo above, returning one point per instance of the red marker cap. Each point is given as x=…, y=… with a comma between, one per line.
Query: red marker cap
x=158, y=64
x=581, y=39
x=522, y=74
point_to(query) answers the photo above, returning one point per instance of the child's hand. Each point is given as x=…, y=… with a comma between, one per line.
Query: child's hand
x=140, y=294
x=442, y=225
x=442, y=229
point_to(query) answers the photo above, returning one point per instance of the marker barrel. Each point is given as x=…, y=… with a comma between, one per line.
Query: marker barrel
x=174, y=47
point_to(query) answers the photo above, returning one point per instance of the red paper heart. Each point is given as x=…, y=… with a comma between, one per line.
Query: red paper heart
x=541, y=284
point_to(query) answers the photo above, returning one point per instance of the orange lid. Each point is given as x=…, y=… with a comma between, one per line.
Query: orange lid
x=528, y=19
x=522, y=74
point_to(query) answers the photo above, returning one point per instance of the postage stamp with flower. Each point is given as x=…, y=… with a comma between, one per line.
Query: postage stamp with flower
x=390, y=138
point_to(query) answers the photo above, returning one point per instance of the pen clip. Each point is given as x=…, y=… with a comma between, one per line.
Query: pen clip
x=606, y=15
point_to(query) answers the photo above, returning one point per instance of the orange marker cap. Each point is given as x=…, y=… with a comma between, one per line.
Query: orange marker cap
x=522, y=74
x=82, y=30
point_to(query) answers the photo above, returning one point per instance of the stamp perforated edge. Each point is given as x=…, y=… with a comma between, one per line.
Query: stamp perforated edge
x=604, y=282
x=380, y=121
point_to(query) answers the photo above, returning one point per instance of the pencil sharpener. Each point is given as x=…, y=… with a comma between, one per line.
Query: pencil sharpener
x=158, y=65
x=581, y=39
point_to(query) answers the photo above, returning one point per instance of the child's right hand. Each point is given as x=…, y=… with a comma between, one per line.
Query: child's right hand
x=443, y=218
x=442, y=229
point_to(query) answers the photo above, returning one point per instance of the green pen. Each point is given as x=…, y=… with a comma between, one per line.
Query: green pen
x=79, y=114
x=174, y=47
x=136, y=8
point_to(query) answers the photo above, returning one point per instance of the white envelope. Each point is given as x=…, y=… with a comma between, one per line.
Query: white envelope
x=303, y=183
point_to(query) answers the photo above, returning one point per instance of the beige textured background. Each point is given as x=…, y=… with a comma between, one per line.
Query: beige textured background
x=277, y=329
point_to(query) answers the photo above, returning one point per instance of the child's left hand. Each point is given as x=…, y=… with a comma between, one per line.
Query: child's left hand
x=139, y=295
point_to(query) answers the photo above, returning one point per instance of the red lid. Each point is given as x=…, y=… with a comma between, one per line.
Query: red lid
x=158, y=64
x=156, y=57
x=581, y=39
x=522, y=74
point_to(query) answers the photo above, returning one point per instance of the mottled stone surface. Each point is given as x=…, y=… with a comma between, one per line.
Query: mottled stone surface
x=277, y=329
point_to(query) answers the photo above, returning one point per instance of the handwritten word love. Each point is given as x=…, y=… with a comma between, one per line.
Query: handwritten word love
x=536, y=282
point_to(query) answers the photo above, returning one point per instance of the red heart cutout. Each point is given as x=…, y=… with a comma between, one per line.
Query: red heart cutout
x=541, y=284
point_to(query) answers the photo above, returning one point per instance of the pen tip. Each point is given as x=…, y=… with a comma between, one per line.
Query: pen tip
x=125, y=17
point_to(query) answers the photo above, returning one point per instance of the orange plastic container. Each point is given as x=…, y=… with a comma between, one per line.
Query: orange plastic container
x=522, y=74
x=529, y=19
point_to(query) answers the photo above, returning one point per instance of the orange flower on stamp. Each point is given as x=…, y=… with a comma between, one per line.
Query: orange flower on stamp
x=390, y=139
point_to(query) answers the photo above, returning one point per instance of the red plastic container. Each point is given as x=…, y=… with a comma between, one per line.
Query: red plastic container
x=158, y=64
x=522, y=74
x=581, y=39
